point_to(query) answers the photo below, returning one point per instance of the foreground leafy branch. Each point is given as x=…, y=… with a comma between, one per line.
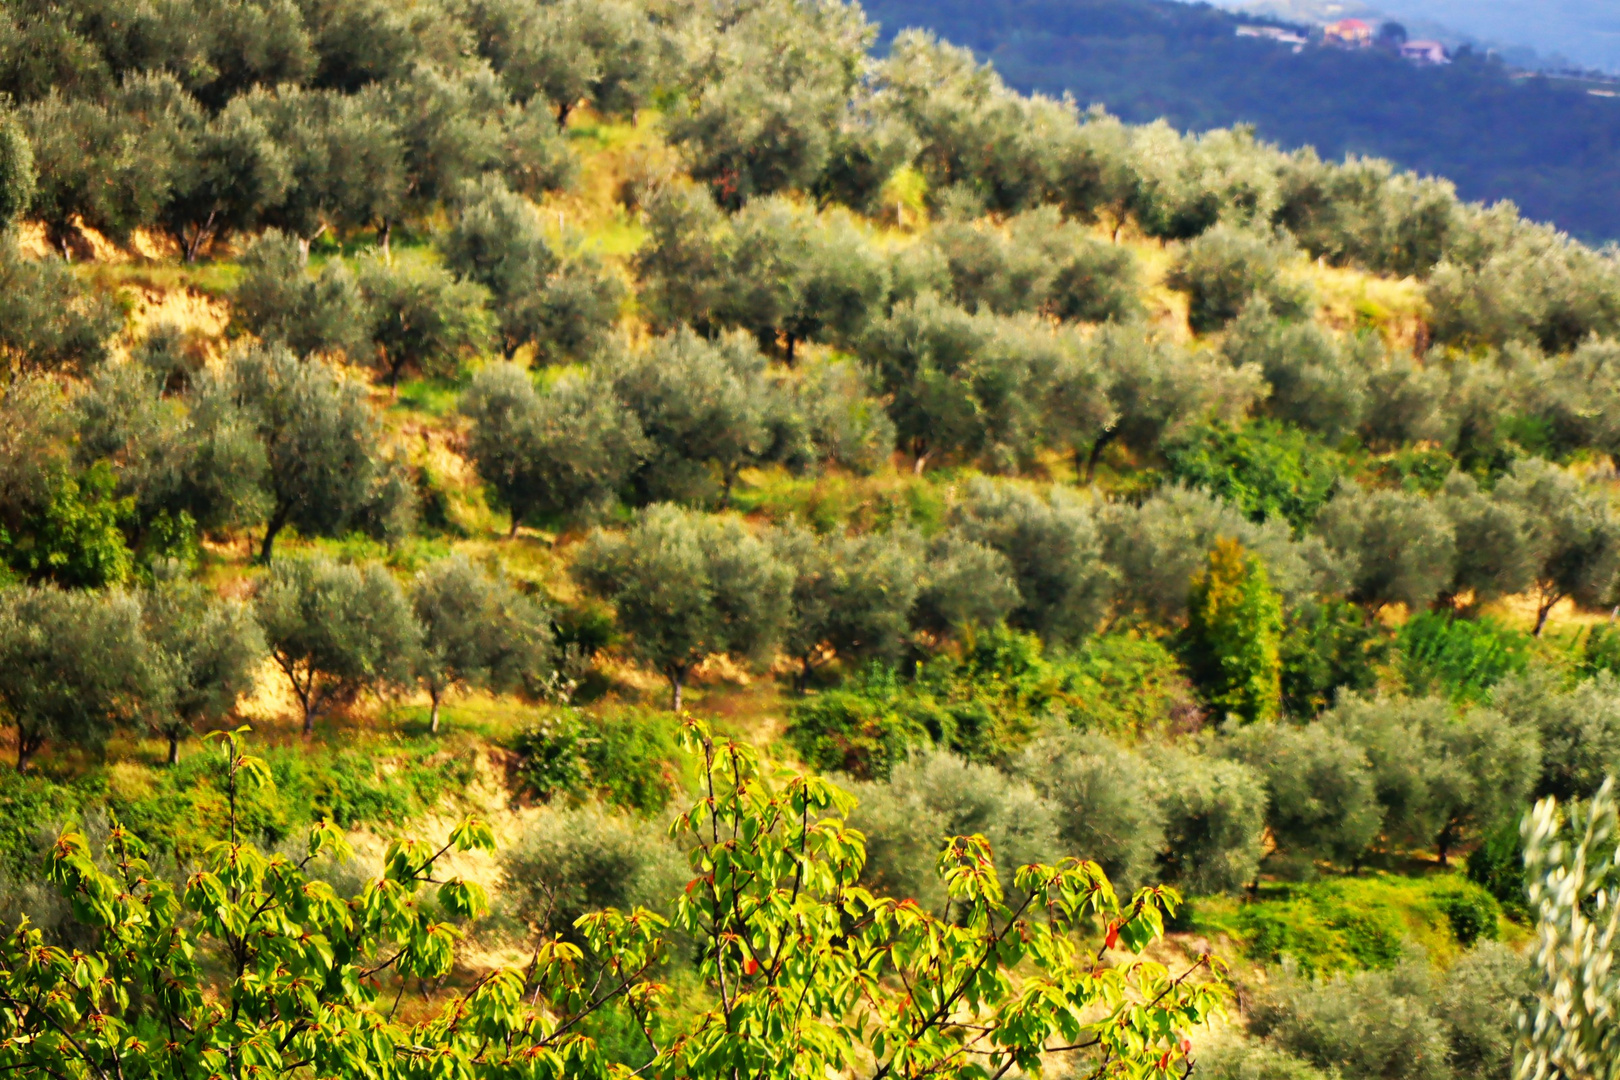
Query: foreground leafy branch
x=253, y=968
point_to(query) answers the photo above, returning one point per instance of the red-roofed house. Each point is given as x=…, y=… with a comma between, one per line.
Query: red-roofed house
x=1348, y=33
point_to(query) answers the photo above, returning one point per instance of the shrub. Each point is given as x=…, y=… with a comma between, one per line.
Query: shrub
x=857, y=730
x=1252, y=1059
x=1497, y=866
x=934, y=795
x=1477, y=1004
x=1328, y=645
x=1101, y=796
x=627, y=757
x=1473, y=914
x=1601, y=650
x=1263, y=468
x=1234, y=632
x=1439, y=653
x=571, y=861
x=1370, y=1024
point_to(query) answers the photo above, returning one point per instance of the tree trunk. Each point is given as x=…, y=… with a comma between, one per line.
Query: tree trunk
x=276, y=523
x=309, y=720
x=1097, y=449
x=512, y=532
x=1542, y=611
x=385, y=235
x=174, y=748
x=791, y=340
x=564, y=110
x=433, y=716
x=675, y=688
x=25, y=751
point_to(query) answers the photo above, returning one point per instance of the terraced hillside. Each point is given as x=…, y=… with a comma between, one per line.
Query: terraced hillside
x=1242, y=522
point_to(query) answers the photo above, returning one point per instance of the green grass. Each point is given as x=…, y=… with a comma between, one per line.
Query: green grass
x=434, y=397
x=370, y=776
x=1351, y=923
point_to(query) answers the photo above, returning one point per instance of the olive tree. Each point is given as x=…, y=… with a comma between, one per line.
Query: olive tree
x=1314, y=384
x=421, y=317
x=325, y=472
x=779, y=80
x=1156, y=548
x=335, y=629
x=1574, y=534
x=1157, y=388
x=1440, y=777
x=1321, y=799
x=74, y=665
x=1225, y=268
x=964, y=386
x=17, y=172
x=964, y=584
x=1401, y=544
x=685, y=585
x=48, y=320
x=205, y=649
x=478, y=631
x=1496, y=554
x=1215, y=813
x=564, y=304
x=281, y=302
x=1100, y=794
x=1578, y=728
x=851, y=597
x=707, y=409
x=565, y=453
x=934, y=794
x=1055, y=551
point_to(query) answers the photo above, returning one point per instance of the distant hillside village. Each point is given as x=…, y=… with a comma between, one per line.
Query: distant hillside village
x=1354, y=34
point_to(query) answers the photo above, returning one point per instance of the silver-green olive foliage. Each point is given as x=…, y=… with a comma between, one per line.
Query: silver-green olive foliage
x=73, y=666
x=205, y=651
x=708, y=409
x=686, y=585
x=1322, y=802
x=335, y=629
x=851, y=597
x=564, y=454
x=325, y=471
x=1574, y=534
x=1055, y=551
x=422, y=318
x=935, y=794
x=478, y=632
x=1095, y=788
x=280, y=301
x=1400, y=545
